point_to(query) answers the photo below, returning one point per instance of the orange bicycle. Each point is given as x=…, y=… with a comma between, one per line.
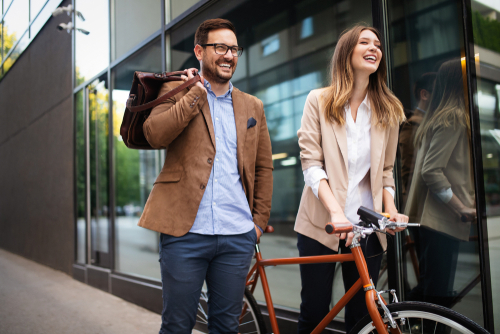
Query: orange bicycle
x=404, y=317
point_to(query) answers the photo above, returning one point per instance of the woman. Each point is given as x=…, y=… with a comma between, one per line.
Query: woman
x=348, y=140
x=441, y=196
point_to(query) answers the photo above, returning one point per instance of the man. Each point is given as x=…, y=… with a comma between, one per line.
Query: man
x=212, y=199
x=422, y=92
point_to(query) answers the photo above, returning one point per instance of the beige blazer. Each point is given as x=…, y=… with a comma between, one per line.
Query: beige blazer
x=325, y=144
x=443, y=161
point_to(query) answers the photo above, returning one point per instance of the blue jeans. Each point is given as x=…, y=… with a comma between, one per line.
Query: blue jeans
x=222, y=261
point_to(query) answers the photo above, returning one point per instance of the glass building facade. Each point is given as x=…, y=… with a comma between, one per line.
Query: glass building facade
x=443, y=60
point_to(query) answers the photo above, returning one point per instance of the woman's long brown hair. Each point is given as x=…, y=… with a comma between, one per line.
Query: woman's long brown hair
x=447, y=106
x=386, y=106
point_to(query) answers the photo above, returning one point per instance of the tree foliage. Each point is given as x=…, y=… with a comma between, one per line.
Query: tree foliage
x=486, y=31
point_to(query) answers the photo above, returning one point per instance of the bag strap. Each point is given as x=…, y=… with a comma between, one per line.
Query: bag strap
x=162, y=98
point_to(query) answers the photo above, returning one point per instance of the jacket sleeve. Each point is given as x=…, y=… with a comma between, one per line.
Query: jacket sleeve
x=311, y=151
x=436, y=159
x=263, y=184
x=390, y=157
x=168, y=119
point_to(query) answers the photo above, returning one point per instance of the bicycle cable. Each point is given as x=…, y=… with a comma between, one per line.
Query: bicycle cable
x=366, y=243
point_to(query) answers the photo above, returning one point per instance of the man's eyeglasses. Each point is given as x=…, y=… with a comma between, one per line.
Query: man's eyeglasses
x=221, y=49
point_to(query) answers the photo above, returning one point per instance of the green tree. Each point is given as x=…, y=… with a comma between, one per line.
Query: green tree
x=486, y=31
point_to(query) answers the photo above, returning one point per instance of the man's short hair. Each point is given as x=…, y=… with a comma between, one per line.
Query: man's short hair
x=201, y=36
x=426, y=81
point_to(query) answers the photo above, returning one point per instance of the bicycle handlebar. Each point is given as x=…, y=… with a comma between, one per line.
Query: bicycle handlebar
x=332, y=228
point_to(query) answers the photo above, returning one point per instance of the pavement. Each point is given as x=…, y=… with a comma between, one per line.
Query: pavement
x=38, y=299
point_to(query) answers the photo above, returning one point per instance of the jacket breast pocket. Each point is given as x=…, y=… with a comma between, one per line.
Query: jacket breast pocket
x=169, y=177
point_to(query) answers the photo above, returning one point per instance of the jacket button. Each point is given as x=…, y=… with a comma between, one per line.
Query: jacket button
x=202, y=186
x=209, y=160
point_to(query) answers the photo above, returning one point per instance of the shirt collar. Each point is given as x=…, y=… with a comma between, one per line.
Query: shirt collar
x=366, y=101
x=421, y=110
x=226, y=94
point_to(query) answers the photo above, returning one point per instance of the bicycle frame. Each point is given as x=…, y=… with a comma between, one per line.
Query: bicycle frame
x=364, y=281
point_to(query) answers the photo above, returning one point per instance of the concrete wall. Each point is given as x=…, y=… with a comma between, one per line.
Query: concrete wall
x=36, y=151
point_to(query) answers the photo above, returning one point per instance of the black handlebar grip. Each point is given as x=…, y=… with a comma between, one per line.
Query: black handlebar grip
x=332, y=228
x=329, y=228
x=369, y=216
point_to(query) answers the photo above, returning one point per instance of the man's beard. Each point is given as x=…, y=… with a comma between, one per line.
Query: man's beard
x=210, y=71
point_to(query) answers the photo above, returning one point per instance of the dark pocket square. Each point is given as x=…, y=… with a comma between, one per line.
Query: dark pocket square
x=251, y=122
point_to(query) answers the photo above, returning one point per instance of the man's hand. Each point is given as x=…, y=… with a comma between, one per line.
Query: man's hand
x=190, y=74
x=397, y=217
x=259, y=233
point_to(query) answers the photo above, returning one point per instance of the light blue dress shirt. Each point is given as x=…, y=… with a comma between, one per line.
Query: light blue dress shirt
x=224, y=207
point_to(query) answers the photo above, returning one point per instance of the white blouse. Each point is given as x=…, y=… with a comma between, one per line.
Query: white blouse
x=358, y=154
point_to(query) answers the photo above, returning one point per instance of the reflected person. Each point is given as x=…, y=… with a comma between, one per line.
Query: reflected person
x=348, y=140
x=422, y=91
x=441, y=192
x=212, y=199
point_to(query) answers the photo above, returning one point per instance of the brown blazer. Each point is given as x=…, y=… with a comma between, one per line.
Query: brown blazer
x=184, y=126
x=325, y=144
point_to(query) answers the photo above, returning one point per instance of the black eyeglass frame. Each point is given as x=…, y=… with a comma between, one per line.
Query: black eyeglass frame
x=239, y=49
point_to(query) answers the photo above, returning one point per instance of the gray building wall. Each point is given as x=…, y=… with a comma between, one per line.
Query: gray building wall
x=36, y=151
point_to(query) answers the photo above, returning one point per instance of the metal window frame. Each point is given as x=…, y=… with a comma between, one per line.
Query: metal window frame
x=486, y=290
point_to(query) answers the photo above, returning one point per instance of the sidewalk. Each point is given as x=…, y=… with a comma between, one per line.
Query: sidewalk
x=37, y=299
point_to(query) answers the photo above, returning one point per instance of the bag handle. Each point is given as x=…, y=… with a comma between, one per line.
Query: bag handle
x=162, y=98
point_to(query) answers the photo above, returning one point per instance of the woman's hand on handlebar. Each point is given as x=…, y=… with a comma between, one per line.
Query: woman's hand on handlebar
x=341, y=218
x=397, y=217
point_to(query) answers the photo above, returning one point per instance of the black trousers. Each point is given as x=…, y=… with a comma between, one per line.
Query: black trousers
x=438, y=257
x=317, y=282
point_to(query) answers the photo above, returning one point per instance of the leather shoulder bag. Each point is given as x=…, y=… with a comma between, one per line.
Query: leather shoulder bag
x=142, y=98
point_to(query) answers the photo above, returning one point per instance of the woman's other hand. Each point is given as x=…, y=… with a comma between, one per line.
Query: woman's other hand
x=340, y=218
x=397, y=217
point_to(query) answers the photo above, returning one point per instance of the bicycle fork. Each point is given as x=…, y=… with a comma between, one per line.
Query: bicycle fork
x=372, y=296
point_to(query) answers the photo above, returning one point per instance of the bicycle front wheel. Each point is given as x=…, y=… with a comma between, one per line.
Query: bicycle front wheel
x=422, y=318
x=251, y=320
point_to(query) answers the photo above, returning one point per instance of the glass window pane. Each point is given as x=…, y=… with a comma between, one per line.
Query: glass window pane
x=21, y=45
x=16, y=22
x=92, y=50
x=40, y=16
x=288, y=48
x=486, y=30
x=98, y=118
x=136, y=249
x=133, y=21
x=177, y=8
x=36, y=6
x=441, y=258
x=81, y=234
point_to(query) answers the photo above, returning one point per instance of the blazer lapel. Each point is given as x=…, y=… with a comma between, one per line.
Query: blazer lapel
x=376, y=148
x=341, y=135
x=205, y=110
x=240, y=118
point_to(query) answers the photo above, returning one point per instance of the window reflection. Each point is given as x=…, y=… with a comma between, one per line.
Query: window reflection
x=133, y=22
x=441, y=260
x=136, y=249
x=287, y=51
x=486, y=24
x=81, y=172
x=98, y=142
x=92, y=50
x=175, y=8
